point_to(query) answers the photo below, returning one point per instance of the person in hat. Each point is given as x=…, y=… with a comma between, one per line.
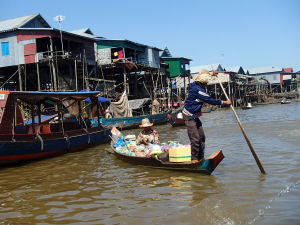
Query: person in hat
x=192, y=111
x=147, y=135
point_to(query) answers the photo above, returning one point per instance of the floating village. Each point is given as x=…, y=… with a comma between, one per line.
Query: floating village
x=63, y=91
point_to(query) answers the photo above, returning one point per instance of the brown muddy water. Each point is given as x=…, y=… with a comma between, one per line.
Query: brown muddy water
x=93, y=187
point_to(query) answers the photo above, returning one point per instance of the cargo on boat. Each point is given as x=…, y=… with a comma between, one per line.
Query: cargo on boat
x=171, y=155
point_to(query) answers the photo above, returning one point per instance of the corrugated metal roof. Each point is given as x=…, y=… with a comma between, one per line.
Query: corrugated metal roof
x=166, y=53
x=216, y=67
x=56, y=30
x=130, y=42
x=83, y=30
x=235, y=69
x=176, y=58
x=11, y=24
x=268, y=69
x=86, y=32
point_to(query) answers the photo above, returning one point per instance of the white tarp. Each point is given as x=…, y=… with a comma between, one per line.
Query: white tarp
x=121, y=107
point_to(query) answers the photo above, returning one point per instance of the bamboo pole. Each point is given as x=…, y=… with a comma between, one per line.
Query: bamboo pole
x=38, y=76
x=20, y=78
x=243, y=131
x=76, y=76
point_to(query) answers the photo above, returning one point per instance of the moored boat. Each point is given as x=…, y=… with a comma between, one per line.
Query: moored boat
x=20, y=141
x=248, y=106
x=175, y=120
x=124, y=123
x=285, y=101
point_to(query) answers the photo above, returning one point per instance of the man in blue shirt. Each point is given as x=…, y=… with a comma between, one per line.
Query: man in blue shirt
x=192, y=111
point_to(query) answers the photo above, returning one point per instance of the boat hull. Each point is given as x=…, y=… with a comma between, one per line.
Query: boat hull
x=174, y=121
x=206, y=109
x=132, y=122
x=206, y=166
x=20, y=148
x=286, y=102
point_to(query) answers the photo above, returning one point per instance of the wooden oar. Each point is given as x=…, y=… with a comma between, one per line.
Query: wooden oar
x=243, y=131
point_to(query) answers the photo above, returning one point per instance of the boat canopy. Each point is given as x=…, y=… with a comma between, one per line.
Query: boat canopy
x=35, y=97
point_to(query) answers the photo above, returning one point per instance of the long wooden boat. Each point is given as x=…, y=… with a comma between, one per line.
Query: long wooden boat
x=20, y=141
x=205, y=166
x=176, y=122
x=132, y=122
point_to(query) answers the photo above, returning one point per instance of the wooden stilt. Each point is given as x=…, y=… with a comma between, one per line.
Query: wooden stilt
x=76, y=76
x=38, y=77
x=20, y=78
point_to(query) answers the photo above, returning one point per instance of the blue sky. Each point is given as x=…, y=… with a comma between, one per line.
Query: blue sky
x=234, y=33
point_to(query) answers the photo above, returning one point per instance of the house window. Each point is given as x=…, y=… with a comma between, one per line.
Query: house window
x=5, y=48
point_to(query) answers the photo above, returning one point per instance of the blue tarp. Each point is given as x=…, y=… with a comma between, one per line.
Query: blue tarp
x=100, y=100
x=43, y=119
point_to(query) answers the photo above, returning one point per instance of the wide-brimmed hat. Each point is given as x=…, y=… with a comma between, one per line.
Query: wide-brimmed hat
x=204, y=76
x=146, y=123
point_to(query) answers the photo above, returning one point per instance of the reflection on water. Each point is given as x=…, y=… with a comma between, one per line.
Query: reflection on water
x=93, y=187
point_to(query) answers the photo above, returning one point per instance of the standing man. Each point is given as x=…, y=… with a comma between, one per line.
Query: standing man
x=192, y=111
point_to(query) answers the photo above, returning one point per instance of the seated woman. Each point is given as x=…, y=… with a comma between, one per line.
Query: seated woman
x=147, y=135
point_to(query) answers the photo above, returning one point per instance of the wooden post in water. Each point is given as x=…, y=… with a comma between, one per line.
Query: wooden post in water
x=243, y=131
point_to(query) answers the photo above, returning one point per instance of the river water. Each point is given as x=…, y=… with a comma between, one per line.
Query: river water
x=93, y=187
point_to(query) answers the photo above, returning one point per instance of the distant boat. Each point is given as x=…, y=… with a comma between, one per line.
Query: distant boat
x=248, y=106
x=285, y=101
x=176, y=119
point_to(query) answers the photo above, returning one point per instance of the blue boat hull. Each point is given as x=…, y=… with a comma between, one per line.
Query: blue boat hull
x=132, y=122
x=29, y=147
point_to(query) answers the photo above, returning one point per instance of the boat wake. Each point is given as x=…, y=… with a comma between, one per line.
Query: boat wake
x=262, y=212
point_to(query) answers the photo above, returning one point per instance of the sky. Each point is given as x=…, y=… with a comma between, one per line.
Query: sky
x=251, y=34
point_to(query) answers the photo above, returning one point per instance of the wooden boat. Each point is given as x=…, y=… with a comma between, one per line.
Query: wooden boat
x=214, y=108
x=206, y=109
x=205, y=166
x=175, y=121
x=286, y=101
x=124, y=123
x=248, y=106
x=21, y=141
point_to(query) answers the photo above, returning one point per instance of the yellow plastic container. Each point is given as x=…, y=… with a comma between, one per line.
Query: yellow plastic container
x=180, y=154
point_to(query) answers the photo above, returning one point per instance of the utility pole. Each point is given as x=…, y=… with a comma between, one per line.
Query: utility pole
x=59, y=19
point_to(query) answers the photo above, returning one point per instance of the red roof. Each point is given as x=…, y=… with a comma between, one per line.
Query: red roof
x=289, y=70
